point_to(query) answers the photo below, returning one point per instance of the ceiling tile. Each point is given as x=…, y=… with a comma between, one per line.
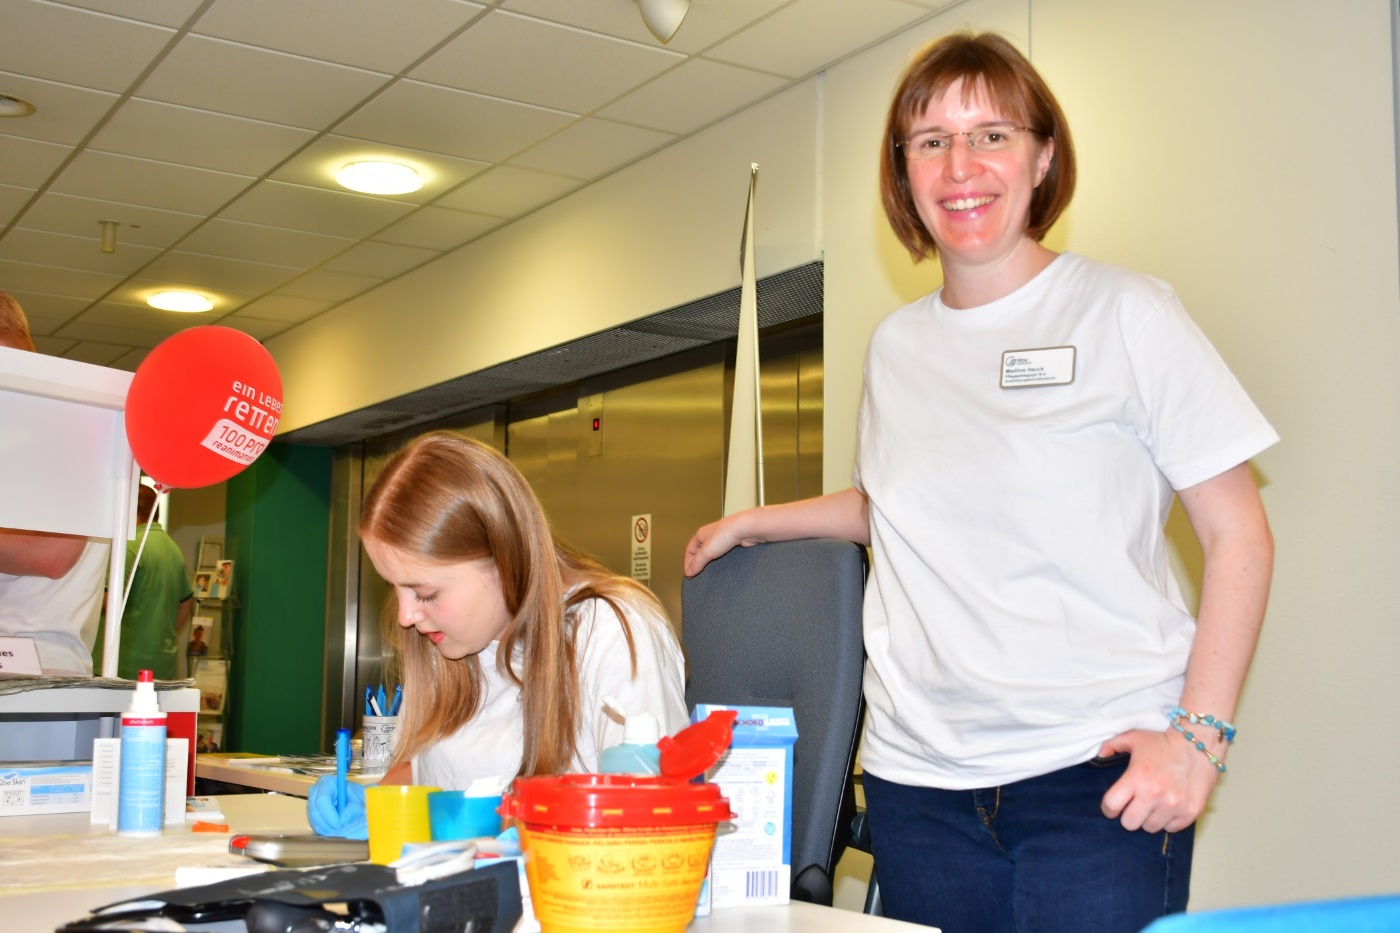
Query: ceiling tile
x=77, y=252
x=160, y=12
x=508, y=192
x=98, y=354
x=28, y=162
x=258, y=243
x=692, y=96
x=830, y=30
x=455, y=123
x=283, y=308
x=52, y=346
x=385, y=37
x=705, y=24
x=518, y=58
x=256, y=328
x=385, y=260
x=66, y=114
x=169, y=133
x=591, y=148
x=46, y=313
x=191, y=270
x=97, y=51
x=317, y=164
x=294, y=207
x=438, y=228
x=147, y=226
x=130, y=360
x=53, y=280
x=162, y=185
x=11, y=200
x=330, y=286
x=211, y=74
x=130, y=327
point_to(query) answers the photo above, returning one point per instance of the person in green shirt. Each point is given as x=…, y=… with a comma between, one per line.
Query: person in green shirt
x=159, y=599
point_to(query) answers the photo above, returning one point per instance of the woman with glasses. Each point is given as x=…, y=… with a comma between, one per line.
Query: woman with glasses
x=1046, y=718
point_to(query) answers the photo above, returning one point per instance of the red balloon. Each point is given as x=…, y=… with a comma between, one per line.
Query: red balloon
x=203, y=405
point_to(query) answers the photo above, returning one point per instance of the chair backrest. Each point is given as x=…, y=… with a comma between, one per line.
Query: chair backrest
x=780, y=625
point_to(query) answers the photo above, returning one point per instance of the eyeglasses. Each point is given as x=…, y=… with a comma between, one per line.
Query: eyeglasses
x=923, y=146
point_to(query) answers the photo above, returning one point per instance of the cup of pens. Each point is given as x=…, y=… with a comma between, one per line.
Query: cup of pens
x=381, y=723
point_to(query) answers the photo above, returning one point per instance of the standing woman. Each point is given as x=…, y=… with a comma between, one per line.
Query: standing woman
x=1046, y=719
x=509, y=639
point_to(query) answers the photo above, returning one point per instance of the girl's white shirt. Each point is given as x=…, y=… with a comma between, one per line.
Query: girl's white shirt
x=490, y=744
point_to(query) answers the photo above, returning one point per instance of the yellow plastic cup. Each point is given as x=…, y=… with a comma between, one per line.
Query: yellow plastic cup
x=398, y=814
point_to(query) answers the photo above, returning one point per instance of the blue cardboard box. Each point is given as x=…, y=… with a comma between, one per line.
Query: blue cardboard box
x=752, y=865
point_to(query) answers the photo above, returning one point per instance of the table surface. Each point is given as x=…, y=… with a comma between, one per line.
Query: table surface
x=45, y=910
x=282, y=782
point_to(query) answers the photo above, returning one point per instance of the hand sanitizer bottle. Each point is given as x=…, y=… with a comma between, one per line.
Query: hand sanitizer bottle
x=637, y=754
x=141, y=781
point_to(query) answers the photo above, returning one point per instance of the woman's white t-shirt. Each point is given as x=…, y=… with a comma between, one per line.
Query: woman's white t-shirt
x=1021, y=609
x=490, y=744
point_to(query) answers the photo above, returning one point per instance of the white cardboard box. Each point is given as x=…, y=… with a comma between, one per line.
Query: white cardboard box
x=752, y=865
x=45, y=787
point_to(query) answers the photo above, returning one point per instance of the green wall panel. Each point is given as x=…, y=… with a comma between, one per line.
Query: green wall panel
x=277, y=527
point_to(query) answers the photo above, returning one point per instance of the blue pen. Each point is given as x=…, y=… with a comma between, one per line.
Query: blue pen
x=398, y=698
x=383, y=702
x=369, y=701
x=342, y=767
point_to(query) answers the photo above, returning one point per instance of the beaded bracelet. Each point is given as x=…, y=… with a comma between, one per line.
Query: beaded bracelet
x=1224, y=730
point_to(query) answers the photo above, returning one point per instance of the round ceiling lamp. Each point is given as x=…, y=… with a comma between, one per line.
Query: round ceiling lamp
x=176, y=300
x=11, y=106
x=379, y=178
x=663, y=17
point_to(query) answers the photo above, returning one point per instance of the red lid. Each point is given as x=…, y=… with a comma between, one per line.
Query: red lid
x=690, y=752
x=145, y=677
x=613, y=801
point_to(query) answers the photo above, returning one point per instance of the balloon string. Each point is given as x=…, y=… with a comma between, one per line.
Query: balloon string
x=131, y=573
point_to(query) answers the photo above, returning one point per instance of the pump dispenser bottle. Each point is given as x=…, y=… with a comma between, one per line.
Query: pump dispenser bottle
x=141, y=784
x=637, y=754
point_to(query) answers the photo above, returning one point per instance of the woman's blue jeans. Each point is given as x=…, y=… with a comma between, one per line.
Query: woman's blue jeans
x=1036, y=856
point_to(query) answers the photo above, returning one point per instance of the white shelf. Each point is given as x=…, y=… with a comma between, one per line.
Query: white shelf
x=64, y=459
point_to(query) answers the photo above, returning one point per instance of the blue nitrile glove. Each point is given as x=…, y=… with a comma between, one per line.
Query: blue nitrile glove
x=326, y=820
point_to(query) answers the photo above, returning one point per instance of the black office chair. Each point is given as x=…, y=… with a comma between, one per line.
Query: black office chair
x=780, y=625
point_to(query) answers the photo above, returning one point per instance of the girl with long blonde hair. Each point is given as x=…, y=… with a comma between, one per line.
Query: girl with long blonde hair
x=508, y=638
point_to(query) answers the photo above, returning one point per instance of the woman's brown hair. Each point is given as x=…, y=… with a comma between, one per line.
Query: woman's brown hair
x=447, y=499
x=990, y=67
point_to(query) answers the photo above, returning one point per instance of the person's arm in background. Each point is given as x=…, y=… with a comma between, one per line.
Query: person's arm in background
x=1169, y=780
x=182, y=614
x=39, y=554
x=844, y=514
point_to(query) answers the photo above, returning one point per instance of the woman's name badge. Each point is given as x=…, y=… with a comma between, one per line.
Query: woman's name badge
x=1047, y=366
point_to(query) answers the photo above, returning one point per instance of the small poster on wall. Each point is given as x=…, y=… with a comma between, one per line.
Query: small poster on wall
x=211, y=680
x=222, y=587
x=203, y=582
x=209, y=737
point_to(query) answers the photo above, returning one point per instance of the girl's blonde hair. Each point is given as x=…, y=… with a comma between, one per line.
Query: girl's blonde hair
x=448, y=499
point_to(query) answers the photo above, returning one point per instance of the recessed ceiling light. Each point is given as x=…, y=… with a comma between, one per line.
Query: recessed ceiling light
x=191, y=302
x=379, y=178
x=11, y=106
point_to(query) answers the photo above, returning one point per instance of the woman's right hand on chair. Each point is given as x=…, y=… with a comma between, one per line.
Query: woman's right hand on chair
x=717, y=538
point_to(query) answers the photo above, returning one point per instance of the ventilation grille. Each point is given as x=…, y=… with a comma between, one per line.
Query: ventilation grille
x=786, y=296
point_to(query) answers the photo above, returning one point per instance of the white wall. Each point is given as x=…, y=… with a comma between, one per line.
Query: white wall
x=1243, y=151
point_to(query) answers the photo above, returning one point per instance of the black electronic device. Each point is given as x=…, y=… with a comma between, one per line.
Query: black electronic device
x=348, y=898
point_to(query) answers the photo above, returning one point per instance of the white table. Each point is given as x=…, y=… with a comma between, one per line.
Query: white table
x=42, y=912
